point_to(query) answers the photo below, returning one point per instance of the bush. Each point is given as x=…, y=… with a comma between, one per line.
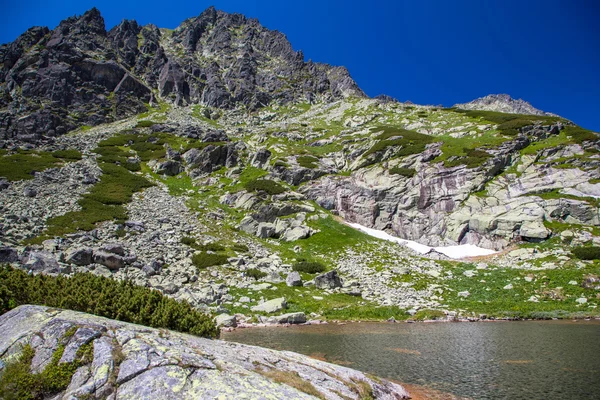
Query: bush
x=264, y=185
x=240, y=248
x=310, y=267
x=587, y=253
x=407, y=172
x=580, y=135
x=308, y=161
x=190, y=241
x=255, y=273
x=121, y=300
x=473, y=159
x=145, y=124
x=23, y=165
x=411, y=142
x=203, y=260
x=69, y=154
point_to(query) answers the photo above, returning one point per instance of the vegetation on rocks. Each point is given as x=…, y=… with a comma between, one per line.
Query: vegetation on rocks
x=204, y=260
x=264, y=185
x=101, y=296
x=309, y=267
x=587, y=252
x=23, y=164
x=410, y=142
x=406, y=172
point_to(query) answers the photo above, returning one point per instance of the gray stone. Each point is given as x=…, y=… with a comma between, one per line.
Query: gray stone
x=30, y=191
x=265, y=230
x=328, y=280
x=110, y=260
x=115, y=248
x=79, y=256
x=169, y=168
x=290, y=318
x=293, y=279
x=4, y=184
x=248, y=225
x=225, y=320
x=8, y=255
x=271, y=306
x=296, y=233
x=41, y=261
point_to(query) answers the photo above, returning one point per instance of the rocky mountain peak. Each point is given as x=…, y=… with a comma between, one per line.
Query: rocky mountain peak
x=85, y=75
x=502, y=103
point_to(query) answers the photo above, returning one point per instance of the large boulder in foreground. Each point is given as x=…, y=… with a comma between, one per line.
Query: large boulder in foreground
x=148, y=363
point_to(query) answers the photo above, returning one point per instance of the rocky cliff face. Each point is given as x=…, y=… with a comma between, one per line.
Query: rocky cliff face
x=117, y=360
x=502, y=103
x=79, y=74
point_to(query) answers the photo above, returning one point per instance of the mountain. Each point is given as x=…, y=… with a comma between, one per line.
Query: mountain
x=213, y=164
x=502, y=103
x=79, y=74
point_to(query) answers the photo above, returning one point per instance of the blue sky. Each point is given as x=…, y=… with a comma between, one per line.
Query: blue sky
x=428, y=52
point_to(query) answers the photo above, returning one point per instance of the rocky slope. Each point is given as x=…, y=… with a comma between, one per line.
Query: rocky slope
x=240, y=172
x=116, y=360
x=79, y=74
x=502, y=103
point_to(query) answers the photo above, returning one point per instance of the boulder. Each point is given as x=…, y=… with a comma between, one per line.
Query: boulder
x=534, y=230
x=226, y=320
x=114, y=248
x=4, y=184
x=328, y=280
x=260, y=158
x=8, y=255
x=271, y=306
x=296, y=233
x=265, y=230
x=110, y=260
x=248, y=225
x=29, y=191
x=41, y=261
x=79, y=256
x=293, y=279
x=169, y=168
x=290, y=318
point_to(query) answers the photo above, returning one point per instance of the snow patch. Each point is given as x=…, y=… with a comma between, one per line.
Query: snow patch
x=456, y=252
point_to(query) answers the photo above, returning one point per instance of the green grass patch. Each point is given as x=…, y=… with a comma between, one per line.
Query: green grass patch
x=587, y=252
x=472, y=158
x=579, y=134
x=24, y=164
x=410, y=142
x=310, y=162
x=406, y=172
x=309, y=267
x=255, y=273
x=145, y=124
x=204, y=260
x=264, y=185
x=68, y=154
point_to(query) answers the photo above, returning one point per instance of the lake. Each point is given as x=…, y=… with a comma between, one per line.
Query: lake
x=482, y=360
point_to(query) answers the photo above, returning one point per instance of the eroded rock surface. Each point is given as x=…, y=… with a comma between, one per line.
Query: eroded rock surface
x=136, y=362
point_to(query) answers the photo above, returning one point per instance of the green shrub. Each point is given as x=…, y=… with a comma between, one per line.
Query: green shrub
x=121, y=300
x=310, y=267
x=580, y=134
x=264, y=185
x=255, y=273
x=587, y=253
x=411, y=142
x=240, y=248
x=407, y=172
x=203, y=260
x=512, y=127
x=148, y=151
x=426, y=314
x=310, y=162
x=190, y=241
x=69, y=154
x=145, y=124
x=23, y=165
x=473, y=159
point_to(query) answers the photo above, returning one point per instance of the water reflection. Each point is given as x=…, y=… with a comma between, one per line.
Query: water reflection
x=517, y=360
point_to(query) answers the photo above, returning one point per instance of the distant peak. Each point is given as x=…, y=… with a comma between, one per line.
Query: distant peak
x=502, y=103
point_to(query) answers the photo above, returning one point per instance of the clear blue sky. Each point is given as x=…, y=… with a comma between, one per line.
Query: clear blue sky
x=430, y=52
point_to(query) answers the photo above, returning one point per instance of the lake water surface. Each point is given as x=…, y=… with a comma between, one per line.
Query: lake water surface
x=483, y=360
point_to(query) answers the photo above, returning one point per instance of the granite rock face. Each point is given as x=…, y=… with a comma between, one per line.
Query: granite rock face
x=136, y=362
x=502, y=103
x=85, y=75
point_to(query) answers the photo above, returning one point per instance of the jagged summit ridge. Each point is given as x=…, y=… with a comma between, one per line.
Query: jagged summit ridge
x=502, y=103
x=79, y=74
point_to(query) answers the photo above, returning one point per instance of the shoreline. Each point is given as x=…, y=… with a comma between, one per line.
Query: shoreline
x=255, y=325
